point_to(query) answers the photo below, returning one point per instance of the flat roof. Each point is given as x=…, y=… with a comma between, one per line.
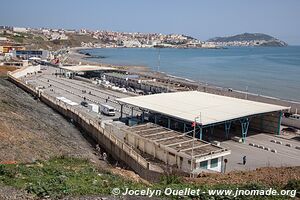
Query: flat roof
x=176, y=142
x=85, y=68
x=188, y=105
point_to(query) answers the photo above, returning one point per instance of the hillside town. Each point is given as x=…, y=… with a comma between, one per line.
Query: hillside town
x=105, y=39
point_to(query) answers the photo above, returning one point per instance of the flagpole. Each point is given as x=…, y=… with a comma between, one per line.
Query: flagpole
x=192, y=155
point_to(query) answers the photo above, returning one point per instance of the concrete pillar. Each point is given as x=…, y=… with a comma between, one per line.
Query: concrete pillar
x=169, y=123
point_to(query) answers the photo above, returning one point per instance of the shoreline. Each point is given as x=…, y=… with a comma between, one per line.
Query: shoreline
x=76, y=56
x=202, y=86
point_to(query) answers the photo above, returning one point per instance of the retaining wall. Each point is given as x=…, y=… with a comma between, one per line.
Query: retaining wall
x=112, y=145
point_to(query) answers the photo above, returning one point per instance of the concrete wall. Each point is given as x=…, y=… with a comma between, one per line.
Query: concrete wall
x=114, y=146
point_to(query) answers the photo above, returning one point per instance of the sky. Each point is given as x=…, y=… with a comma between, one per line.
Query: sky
x=202, y=19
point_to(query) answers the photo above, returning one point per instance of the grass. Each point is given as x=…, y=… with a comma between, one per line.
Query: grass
x=62, y=176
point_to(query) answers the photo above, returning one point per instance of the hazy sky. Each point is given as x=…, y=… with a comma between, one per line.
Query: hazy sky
x=202, y=19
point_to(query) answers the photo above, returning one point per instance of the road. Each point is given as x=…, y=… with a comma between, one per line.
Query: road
x=77, y=91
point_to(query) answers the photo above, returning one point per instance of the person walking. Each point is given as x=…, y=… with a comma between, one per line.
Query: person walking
x=244, y=160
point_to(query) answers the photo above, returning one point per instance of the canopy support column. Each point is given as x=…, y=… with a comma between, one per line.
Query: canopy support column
x=279, y=122
x=245, y=126
x=200, y=136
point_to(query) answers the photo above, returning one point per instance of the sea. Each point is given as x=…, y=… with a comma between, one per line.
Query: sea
x=269, y=71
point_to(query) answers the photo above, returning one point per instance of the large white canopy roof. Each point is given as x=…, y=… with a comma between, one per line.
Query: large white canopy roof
x=84, y=68
x=188, y=105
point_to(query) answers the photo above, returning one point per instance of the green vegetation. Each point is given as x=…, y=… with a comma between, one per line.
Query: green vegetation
x=62, y=176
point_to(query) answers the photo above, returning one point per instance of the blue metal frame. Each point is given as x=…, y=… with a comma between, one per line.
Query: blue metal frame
x=200, y=136
x=245, y=126
x=279, y=122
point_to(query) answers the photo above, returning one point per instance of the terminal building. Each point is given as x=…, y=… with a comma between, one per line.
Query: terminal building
x=169, y=121
x=179, y=110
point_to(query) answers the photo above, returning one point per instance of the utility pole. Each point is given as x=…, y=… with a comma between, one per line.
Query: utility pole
x=193, y=144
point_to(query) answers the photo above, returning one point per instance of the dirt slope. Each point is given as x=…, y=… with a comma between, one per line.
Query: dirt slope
x=29, y=130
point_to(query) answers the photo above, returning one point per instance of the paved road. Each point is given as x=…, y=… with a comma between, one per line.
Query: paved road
x=73, y=90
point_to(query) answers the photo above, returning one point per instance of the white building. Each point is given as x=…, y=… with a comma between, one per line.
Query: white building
x=19, y=29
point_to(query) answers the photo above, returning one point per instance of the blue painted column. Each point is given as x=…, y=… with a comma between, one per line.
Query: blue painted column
x=200, y=137
x=245, y=126
x=279, y=122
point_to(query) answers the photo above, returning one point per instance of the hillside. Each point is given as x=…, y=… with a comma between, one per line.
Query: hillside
x=249, y=39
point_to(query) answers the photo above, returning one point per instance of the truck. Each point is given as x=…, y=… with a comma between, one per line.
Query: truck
x=107, y=110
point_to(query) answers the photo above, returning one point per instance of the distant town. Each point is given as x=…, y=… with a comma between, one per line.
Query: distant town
x=53, y=39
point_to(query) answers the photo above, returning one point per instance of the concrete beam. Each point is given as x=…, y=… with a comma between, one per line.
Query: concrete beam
x=143, y=125
x=149, y=129
x=196, y=147
x=162, y=139
x=159, y=133
x=177, y=143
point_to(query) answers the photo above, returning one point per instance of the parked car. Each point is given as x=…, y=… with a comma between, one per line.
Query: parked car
x=107, y=110
x=84, y=103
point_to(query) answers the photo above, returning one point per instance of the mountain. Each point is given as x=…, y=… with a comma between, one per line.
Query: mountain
x=248, y=39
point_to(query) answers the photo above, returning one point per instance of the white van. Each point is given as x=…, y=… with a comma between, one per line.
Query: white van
x=107, y=110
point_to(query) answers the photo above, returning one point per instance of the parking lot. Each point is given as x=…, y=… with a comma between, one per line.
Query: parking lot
x=258, y=157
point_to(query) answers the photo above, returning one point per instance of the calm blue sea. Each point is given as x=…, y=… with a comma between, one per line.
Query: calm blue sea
x=271, y=71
